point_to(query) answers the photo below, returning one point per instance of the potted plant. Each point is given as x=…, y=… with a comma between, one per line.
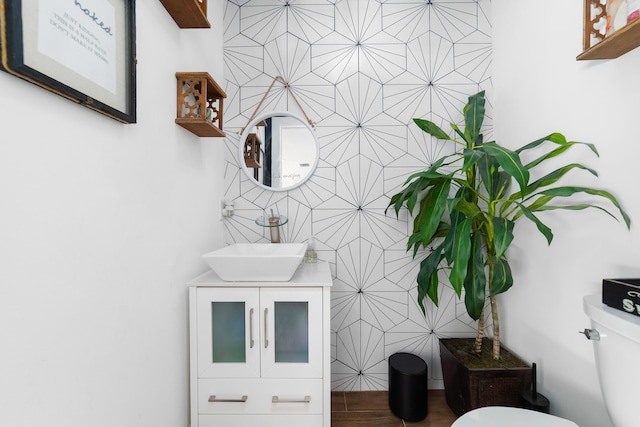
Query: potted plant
x=464, y=210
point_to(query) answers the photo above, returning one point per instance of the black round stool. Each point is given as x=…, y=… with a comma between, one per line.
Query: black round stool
x=408, y=386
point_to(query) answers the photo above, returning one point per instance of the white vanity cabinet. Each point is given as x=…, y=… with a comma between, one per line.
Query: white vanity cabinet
x=260, y=351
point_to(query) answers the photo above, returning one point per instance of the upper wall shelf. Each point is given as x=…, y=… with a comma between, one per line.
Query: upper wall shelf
x=188, y=13
x=617, y=44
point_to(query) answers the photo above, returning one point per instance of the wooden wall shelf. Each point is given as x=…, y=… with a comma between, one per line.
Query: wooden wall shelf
x=199, y=104
x=188, y=13
x=617, y=44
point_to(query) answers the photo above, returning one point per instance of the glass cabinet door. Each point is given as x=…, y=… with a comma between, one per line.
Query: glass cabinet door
x=292, y=338
x=228, y=329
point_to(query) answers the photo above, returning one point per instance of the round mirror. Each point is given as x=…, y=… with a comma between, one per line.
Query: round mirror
x=279, y=151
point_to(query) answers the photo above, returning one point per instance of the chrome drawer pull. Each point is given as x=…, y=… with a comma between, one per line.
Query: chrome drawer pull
x=214, y=399
x=251, y=328
x=276, y=399
x=266, y=338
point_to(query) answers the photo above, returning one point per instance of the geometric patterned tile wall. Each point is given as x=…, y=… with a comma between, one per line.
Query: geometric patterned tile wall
x=362, y=70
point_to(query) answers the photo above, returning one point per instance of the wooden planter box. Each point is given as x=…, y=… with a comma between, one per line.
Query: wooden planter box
x=468, y=388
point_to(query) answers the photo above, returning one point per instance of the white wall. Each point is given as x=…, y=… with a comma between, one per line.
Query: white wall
x=539, y=87
x=101, y=224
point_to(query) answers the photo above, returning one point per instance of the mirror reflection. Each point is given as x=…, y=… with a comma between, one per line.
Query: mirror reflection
x=279, y=151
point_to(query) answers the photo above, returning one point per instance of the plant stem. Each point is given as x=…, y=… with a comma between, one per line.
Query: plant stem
x=479, y=334
x=496, y=327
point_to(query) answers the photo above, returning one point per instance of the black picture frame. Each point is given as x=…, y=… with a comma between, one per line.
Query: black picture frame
x=83, y=50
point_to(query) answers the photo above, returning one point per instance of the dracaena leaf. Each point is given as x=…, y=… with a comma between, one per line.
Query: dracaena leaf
x=432, y=129
x=503, y=235
x=428, y=272
x=471, y=157
x=546, y=231
x=570, y=190
x=475, y=281
x=461, y=250
x=501, y=279
x=432, y=208
x=467, y=208
x=510, y=162
x=553, y=177
x=473, y=117
x=556, y=138
x=489, y=169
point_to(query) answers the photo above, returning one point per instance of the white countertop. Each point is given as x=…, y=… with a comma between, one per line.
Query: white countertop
x=307, y=274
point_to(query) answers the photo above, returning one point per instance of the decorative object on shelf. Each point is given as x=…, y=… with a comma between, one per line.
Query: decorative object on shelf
x=199, y=104
x=594, y=43
x=100, y=73
x=466, y=211
x=633, y=10
x=273, y=222
x=616, y=15
x=310, y=254
x=188, y=13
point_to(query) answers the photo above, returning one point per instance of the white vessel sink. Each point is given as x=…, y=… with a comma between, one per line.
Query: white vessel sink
x=256, y=262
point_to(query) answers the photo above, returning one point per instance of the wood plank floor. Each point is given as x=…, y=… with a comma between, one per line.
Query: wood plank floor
x=371, y=409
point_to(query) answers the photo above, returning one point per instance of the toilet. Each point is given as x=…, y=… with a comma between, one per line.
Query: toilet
x=503, y=416
x=616, y=342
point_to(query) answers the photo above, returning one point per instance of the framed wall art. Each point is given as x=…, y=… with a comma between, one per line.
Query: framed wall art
x=83, y=50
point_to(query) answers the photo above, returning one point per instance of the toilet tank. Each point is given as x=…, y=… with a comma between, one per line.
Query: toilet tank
x=617, y=353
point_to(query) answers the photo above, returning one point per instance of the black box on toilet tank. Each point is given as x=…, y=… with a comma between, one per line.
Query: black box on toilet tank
x=622, y=294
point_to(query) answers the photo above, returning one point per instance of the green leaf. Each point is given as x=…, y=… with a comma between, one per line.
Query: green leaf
x=510, y=162
x=546, y=231
x=471, y=157
x=577, y=207
x=556, y=138
x=457, y=219
x=414, y=191
x=547, y=156
x=432, y=129
x=432, y=208
x=467, y=208
x=461, y=250
x=458, y=131
x=501, y=279
x=414, y=185
x=475, y=281
x=428, y=277
x=568, y=191
x=473, y=117
x=502, y=235
x=553, y=177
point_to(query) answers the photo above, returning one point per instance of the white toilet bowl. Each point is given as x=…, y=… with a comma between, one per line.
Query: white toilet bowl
x=502, y=416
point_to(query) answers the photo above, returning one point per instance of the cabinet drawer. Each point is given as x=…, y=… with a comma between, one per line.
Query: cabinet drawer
x=260, y=396
x=260, y=420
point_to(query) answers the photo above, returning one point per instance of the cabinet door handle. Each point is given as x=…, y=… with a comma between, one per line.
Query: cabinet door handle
x=266, y=339
x=276, y=399
x=251, y=328
x=214, y=399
